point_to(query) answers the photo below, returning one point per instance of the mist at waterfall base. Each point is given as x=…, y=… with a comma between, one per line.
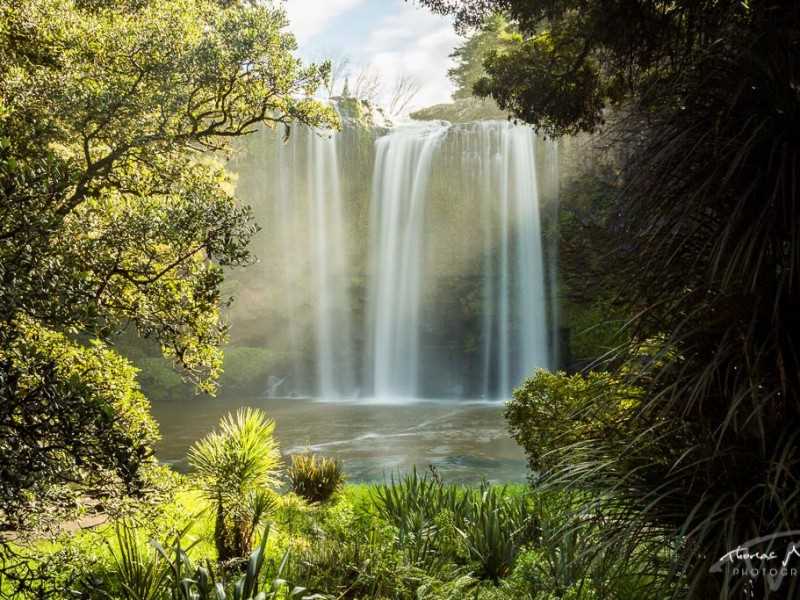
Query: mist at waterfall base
x=403, y=290
x=399, y=266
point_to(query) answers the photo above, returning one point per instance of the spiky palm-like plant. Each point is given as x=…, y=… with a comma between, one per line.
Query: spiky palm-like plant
x=237, y=466
x=315, y=478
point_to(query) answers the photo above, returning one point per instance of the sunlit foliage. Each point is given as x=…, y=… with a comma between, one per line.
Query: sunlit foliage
x=237, y=468
x=315, y=478
x=115, y=211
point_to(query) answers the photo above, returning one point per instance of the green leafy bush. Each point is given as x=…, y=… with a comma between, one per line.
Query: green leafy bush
x=237, y=467
x=555, y=415
x=315, y=478
x=77, y=421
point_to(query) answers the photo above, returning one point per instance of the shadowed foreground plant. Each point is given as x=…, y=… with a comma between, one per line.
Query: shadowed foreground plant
x=156, y=573
x=436, y=523
x=496, y=529
x=705, y=251
x=237, y=466
x=315, y=478
x=140, y=572
x=361, y=562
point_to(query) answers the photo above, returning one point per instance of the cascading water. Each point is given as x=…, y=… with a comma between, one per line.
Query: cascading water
x=404, y=264
x=488, y=165
x=402, y=169
x=333, y=306
x=304, y=252
x=512, y=347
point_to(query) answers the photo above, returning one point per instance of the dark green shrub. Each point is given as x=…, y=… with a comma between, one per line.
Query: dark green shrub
x=315, y=478
x=573, y=553
x=554, y=414
x=359, y=562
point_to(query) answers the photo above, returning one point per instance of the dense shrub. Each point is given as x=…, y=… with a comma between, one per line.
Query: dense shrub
x=72, y=422
x=315, y=478
x=554, y=414
x=356, y=561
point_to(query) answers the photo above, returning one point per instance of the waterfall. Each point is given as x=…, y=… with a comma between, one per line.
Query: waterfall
x=333, y=318
x=403, y=264
x=286, y=234
x=519, y=287
x=304, y=253
x=495, y=168
x=402, y=169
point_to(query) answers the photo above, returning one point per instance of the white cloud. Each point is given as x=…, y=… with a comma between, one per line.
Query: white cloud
x=307, y=18
x=394, y=38
x=415, y=43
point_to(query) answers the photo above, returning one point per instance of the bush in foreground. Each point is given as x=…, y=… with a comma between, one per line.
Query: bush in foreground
x=315, y=478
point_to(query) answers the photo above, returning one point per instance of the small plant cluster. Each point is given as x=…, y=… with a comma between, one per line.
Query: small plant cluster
x=435, y=522
x=237, y=469
x=315, y=478
x=156, y=573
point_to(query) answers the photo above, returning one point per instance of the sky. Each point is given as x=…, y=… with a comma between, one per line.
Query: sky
x=394, y=38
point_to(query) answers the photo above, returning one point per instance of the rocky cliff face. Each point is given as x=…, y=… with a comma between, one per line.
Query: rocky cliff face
x=319, y=187
x=465, y=110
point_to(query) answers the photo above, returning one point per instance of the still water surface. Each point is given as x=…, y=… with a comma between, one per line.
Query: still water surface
x=465, y=441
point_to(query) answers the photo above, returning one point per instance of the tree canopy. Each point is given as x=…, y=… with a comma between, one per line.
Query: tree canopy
x=116, y=212
x=700, y=102
x=471, y=55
